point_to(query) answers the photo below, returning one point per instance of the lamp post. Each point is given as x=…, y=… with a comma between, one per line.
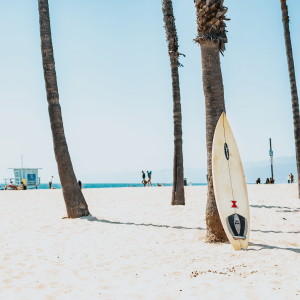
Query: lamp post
x=21, y=169
x=271, y=158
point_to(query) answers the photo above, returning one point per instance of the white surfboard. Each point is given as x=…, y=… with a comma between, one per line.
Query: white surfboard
x=230, y=186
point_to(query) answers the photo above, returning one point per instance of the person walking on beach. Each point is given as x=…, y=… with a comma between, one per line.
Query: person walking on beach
x=289, y=178
x=50, y=182
x=144, y=180
x=149, y=177
x=292, y=178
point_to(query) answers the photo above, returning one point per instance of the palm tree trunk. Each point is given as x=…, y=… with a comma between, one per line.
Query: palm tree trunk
x=215, y=106
x=178, y=181
x=295, y=102
x=212, y=38
x=74, y=200
x=178, y=197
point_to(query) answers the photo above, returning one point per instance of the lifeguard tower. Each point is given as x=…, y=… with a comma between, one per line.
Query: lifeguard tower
x=29, y=176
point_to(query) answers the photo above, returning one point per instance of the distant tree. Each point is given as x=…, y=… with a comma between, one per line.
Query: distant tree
x=212, y=38
x=74, y=200
x=172, y=40
x=295, y=102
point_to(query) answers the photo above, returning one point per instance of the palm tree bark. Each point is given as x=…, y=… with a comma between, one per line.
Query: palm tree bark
x=295, y=102
x=214, y=107
x=178, y=197
x=212, y=39
x=74, y=199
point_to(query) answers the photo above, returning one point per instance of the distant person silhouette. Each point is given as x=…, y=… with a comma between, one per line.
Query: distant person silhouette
x=80, y=184
x=258, y=181
x=267, y=181
x=50, y=182
x=149, y=177
x=23, y=186
x=144, y=182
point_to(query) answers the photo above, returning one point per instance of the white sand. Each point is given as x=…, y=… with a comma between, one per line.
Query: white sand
x=137, y=246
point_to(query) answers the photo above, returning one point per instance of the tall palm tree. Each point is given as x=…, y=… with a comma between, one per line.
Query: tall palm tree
x=74, y=200
x=212, y=38
x=295, y=102
x=172, y=40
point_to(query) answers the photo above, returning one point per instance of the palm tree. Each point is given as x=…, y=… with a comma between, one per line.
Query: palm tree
x=295, y=102
x=212, y=38
x=74, y=200
x=172, y=40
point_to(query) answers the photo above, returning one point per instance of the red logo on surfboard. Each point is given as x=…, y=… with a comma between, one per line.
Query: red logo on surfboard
x=234, y=204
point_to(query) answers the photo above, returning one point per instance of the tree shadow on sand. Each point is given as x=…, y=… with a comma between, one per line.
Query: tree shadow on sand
x=281, y=207
x=273, y=231
x=95, y=219
x=296, y=250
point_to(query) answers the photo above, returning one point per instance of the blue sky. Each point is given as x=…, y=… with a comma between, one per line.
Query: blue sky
x=114, y=82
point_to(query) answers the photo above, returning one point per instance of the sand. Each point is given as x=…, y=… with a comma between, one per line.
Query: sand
x=137, y=246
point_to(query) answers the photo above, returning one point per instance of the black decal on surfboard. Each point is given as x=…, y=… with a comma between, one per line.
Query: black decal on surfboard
x=226, y=150
x=237, y=226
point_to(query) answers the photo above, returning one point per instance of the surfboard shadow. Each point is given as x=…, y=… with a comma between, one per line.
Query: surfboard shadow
x=95, y=219
x=296, y=250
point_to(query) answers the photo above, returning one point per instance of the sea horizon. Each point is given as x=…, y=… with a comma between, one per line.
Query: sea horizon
x=44, y=186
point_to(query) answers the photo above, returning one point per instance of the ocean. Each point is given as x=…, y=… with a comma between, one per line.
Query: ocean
x=44, y=186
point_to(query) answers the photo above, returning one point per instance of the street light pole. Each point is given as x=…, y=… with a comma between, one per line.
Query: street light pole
x=21, y=169
x=271, y=158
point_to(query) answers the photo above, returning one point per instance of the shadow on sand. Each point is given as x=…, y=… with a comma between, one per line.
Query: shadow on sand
x=281, y=207
x=272, y=231
x=95, y=219
x=296, y=250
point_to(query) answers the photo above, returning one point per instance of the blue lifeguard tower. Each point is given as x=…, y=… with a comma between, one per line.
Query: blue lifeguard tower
x=30, y=177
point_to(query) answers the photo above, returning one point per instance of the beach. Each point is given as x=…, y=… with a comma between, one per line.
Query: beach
x=135, y=245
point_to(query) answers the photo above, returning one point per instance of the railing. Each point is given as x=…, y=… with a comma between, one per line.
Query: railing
x=18, y=181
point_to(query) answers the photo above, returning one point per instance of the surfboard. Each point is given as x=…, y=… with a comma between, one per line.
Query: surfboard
x=230, y=186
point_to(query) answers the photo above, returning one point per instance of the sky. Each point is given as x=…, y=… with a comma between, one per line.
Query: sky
x=114, y=82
